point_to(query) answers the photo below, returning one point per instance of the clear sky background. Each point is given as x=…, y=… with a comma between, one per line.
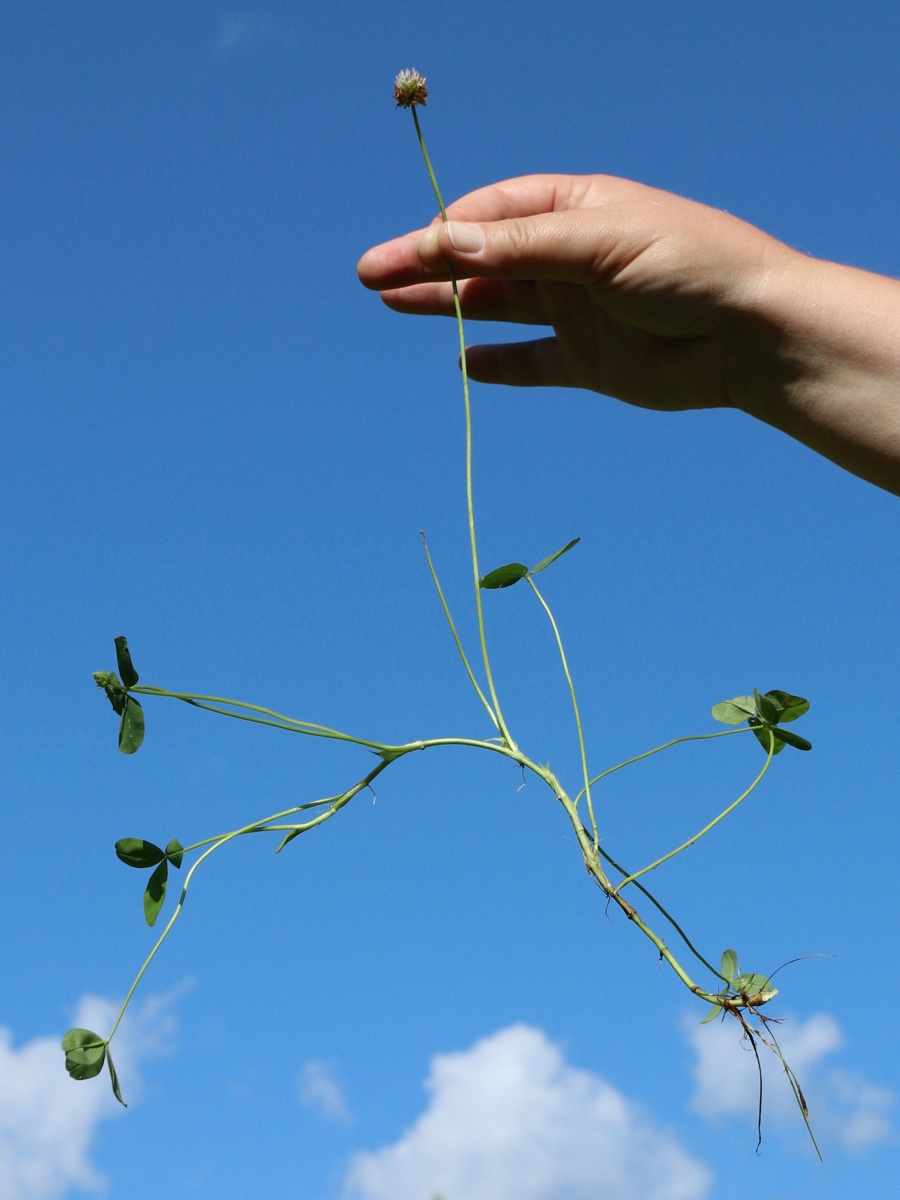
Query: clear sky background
x=217, y=443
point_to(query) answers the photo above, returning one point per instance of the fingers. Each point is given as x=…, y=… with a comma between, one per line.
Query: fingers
x=396, y=263
x=480, y=299
x=520, y=364
x=583, y=247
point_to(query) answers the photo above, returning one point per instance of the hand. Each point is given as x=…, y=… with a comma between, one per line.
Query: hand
x=650, y=296
x=664, y=303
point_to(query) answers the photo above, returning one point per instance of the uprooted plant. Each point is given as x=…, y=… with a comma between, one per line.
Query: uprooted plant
x=729, y=991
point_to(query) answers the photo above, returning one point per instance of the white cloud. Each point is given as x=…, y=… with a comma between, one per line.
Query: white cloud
x=510, y=1120
x=844, y=1108
x=240, y=33
x=317, y=1088
x=47, y=1120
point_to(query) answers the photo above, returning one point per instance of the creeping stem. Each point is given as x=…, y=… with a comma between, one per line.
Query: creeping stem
x=278, y=822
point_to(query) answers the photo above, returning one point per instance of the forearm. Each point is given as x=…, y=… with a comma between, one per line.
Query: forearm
x=837, y=352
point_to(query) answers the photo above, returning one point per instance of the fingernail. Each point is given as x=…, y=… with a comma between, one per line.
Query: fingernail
x=427, y=246
x=468, y=239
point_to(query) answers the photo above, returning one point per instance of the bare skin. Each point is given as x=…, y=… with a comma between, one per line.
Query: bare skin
x=666, y=304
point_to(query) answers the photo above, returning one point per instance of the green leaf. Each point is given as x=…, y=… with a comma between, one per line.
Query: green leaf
x=792, y=707
x=792, y=739
x=768, y=709
x=503, y=576
x=545, y=562
x=114, y=1079
x=131, y=727
x=135, y=852
x=85, y=1052
x=729, y=966
x=155, y=893
x=715, y=1010
x=124, y=663
x=78, y=1038
x=175, y=852
x=762, y=734
x=733, y=712
x=115, y=693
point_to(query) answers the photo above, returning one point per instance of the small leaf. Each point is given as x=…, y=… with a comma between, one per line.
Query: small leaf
x=79, y=1038
x=155, y=893
x=545, y=562
x=792, y=739
x=503, y=576
x=135, y=852
x=131, y=727
x=85, y=1052
x=124, y=663
x=175, y=852
x=762, y=734
x=715, y=1010
x=729, y=965
x=768, y=709
x=114, y=1079
x=733, y=712
x=792, y=707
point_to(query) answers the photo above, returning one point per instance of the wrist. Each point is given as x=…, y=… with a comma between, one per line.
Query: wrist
x=832, y=378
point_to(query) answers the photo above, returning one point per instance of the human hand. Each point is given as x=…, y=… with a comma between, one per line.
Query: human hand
x=664, y=303
x=652, y=299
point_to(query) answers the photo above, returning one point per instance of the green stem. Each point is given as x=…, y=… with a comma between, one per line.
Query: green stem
x=501, y=723
x=586, y=790
x=706, y=828
x=462, y=653
x=696, y=737
x=668, y=916
x=277, y=721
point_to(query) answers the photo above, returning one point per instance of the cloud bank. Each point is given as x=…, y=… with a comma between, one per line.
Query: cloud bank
x=509, y=1119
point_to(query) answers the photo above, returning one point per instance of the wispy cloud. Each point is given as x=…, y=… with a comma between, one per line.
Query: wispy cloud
x=508, y=1119
x=844, y=1108
x=47, y=1120
x=238, y=33
x=317, y=1088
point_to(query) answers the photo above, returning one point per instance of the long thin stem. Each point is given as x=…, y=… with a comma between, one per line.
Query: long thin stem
x=501, y=723
x=274, y=719
x=706, y=828
x=695, y=737
x=459, y=647
x=586, y=790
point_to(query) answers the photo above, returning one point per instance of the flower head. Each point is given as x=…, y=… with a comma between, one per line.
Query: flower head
x=410, y=89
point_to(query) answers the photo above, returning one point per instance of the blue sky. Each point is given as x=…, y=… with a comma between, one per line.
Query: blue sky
x=217, y=443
